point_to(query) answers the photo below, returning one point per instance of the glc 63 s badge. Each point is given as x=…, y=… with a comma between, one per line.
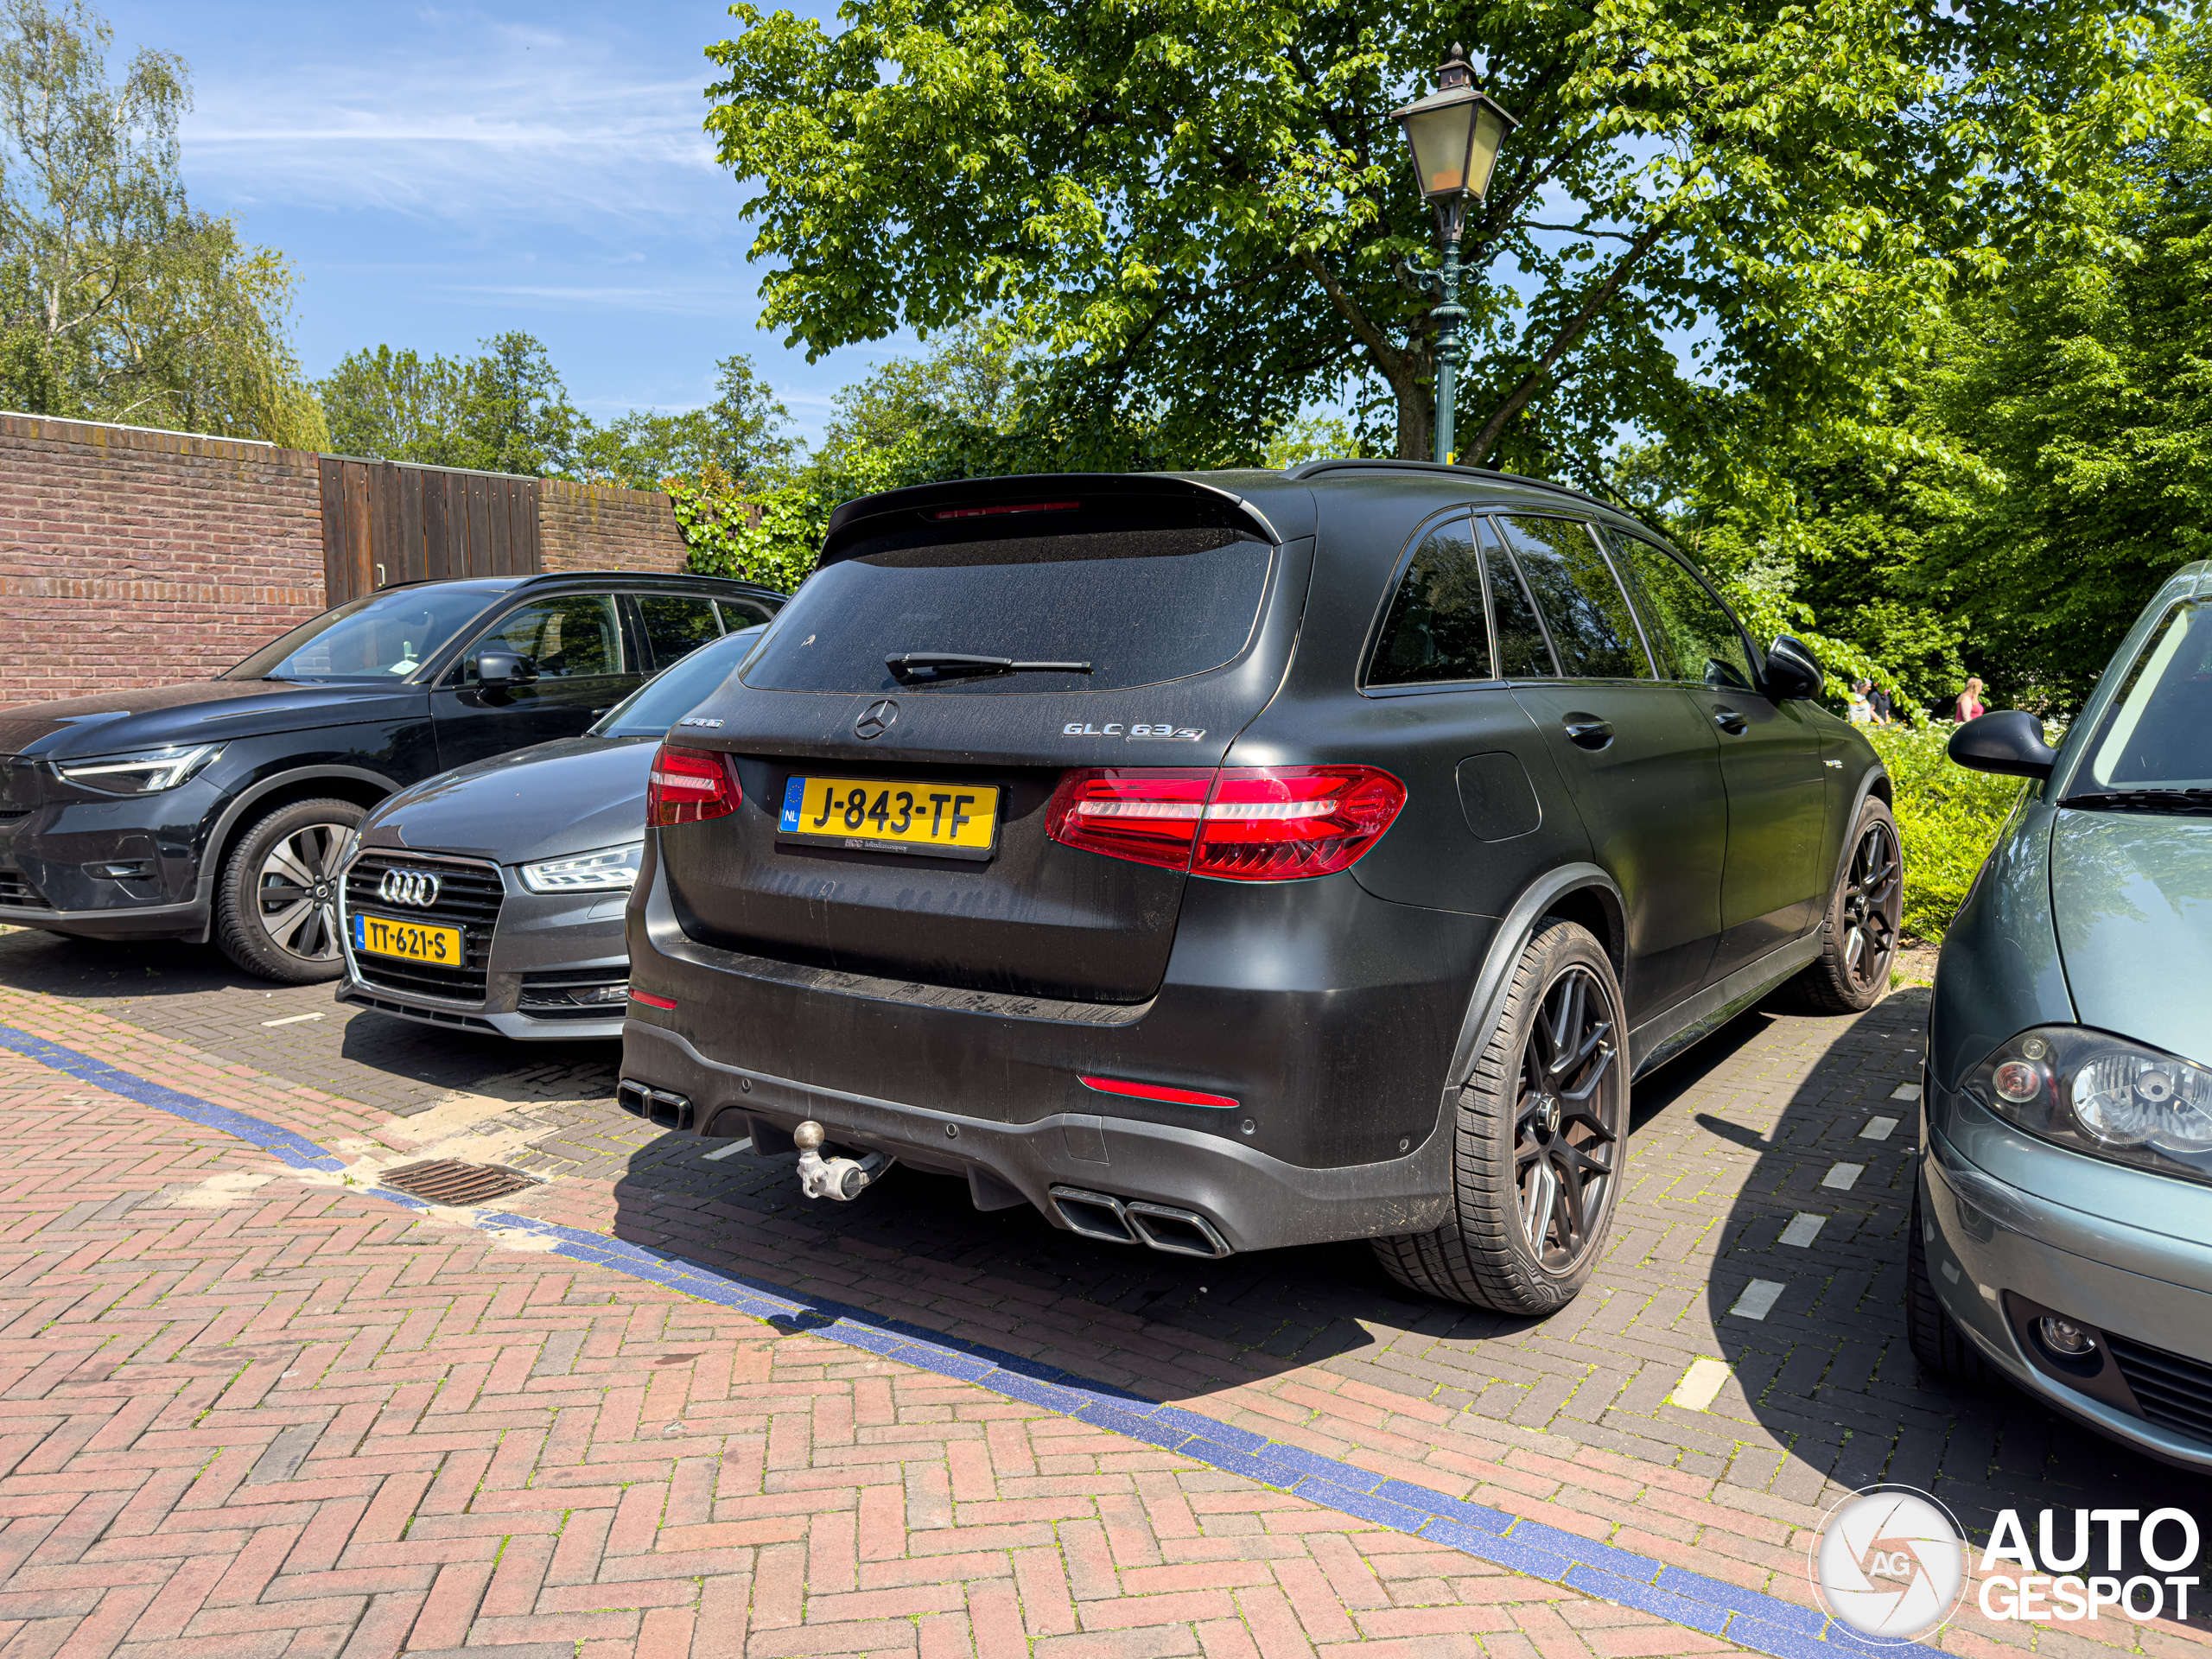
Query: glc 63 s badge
x=1133, y=732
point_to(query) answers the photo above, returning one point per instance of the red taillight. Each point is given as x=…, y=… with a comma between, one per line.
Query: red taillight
x=1153, y=1091
x=1148, y=815
x=689, y=785
x=652, y=1001
x=1242, y=823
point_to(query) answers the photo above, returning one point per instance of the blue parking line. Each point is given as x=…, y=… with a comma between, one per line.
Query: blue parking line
x=1750, y=1619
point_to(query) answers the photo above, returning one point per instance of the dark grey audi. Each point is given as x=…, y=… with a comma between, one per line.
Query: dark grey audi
x=1240, y=860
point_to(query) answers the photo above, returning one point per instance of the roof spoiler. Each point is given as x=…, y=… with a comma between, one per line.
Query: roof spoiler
x=1025, y=504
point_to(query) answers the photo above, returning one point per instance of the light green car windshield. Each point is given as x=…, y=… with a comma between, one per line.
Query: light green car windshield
x=2157, y=734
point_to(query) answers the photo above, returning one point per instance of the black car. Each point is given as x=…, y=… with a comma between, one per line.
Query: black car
x=1247, y=859
x=219, y=808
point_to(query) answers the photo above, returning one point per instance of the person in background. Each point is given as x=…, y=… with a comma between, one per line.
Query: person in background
x=1858, y=710
x=1970, y=704
x=1878, y=701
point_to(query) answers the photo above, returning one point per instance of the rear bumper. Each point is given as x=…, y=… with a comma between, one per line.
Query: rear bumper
x=1256, y=1202
x=1325, y=1019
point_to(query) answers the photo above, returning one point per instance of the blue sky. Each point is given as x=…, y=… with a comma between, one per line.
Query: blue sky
x=440, y=174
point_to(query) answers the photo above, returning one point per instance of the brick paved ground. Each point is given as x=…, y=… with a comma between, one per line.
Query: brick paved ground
x=1566, y=1421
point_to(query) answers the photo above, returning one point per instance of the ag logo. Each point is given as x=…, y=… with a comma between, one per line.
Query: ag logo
x=876, y=719
x=1889, y=1563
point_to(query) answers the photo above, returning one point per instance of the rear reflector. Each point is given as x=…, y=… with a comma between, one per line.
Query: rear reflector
x=1155, y=1091
x=652, y=1001
x=690, y=785
x=1242, y=824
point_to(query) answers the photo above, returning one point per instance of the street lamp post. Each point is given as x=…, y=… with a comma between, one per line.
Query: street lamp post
x=1454, y=134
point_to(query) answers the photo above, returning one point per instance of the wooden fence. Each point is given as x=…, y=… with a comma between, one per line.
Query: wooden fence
x=386, y=522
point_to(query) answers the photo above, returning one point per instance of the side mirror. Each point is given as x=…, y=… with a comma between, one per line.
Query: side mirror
x=1790, y=670
x=497, y=670
x=2008, y=741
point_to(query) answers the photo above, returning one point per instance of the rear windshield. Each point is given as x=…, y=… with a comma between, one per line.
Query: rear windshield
x=2158, y=732
x=676, y=691
x=1138, y=606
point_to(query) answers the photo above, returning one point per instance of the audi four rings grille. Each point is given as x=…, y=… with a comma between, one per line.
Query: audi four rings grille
x=457, y=892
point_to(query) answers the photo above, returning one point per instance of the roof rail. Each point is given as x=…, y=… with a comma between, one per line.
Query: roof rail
x=1312, y=469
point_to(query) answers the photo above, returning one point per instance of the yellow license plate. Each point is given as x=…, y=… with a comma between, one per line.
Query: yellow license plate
x=946, y=820
x=410, y=941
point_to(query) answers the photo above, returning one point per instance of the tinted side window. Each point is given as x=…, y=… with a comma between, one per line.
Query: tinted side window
x=566, y=638
x=1593, y=629
x=1522, y=654
x=1703, y=640
x=1435, y=630
x=676, y=627
x=744, y=614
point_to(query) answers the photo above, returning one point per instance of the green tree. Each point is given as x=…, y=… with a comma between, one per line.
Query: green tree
x=118, y=300
x=743, y=433
x=2048, y=459
x=1198, y=208
x=504, y=412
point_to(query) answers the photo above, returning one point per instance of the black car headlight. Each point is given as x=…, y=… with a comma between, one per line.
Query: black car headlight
x=146, y=773
x=2105, y=1096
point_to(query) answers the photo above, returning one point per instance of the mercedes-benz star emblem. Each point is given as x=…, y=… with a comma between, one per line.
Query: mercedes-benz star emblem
x=416, y=887
x=876, y=719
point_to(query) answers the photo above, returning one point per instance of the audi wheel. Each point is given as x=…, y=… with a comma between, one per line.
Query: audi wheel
x=276, y=904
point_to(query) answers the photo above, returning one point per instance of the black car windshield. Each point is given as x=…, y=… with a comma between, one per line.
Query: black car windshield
x=383, y=637
x=2157, y=734
x=674, y=692
x=1134, y=607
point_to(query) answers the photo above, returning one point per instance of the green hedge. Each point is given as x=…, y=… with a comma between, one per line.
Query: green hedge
x=1947, y=818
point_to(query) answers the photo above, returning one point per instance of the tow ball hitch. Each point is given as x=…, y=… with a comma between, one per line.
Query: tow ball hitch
x=842, y=1179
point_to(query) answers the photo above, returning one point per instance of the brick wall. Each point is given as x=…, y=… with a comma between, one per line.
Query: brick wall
x=591, y=527
x=129, y=557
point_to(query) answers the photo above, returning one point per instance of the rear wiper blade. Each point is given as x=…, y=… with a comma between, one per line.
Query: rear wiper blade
x=910, y=667
x=2143, y=800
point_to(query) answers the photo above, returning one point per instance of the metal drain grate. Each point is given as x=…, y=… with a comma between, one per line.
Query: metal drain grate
x=448, y=1180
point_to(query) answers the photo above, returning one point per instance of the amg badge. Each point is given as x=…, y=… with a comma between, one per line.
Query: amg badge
x=1134, y=733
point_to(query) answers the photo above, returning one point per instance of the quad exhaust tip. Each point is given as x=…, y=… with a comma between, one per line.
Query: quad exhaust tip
x=656, y=1106
x=1164, y=1227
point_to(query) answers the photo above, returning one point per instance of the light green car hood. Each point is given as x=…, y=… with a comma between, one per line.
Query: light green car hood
x=2132, y=893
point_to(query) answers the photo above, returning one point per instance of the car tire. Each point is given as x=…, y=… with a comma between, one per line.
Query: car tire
x=1858, y=935
x=276, y=901
x=1534, y=1178
x=1933, y=1335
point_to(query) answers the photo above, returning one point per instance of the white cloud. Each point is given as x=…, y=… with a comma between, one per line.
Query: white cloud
x=483, y=123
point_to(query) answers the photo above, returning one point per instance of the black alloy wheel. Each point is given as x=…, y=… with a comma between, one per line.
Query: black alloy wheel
x=1567, y=1131
x=1865, y=915
x=1539, y=1140
x=1873, y=901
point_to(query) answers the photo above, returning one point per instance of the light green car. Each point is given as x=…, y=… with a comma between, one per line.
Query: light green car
x=2062, y=1227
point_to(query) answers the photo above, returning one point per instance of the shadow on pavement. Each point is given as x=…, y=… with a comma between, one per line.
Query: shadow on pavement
x=914, y=1246
x=1827, y=1372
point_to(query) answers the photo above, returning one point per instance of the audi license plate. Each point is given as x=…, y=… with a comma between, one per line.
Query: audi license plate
x=410, y=941
x=944, y=820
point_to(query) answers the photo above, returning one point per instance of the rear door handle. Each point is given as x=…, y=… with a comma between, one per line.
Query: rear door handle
x=1731, y=722
x=1587, y=731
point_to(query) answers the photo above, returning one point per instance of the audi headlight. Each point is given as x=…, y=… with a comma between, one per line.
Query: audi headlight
x=147, y=773
x=612, y=870
x=2105, y=1096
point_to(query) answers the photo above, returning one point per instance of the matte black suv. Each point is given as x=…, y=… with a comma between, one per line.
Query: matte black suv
x=220, y=806
x=1246, y=859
